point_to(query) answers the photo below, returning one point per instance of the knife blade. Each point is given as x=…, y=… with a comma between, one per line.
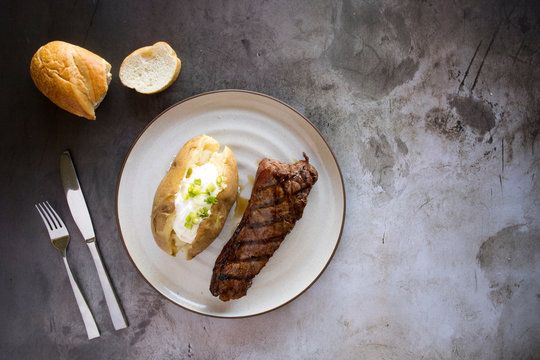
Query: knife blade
x=81, y=215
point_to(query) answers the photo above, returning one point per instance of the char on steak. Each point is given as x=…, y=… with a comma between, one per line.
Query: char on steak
x=277, y=201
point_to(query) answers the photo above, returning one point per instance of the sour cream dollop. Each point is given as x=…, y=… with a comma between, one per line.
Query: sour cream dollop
x=196, y=194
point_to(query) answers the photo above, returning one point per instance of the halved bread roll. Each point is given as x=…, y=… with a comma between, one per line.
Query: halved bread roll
x=72, y=77
x=150, y=69
x=194, y=198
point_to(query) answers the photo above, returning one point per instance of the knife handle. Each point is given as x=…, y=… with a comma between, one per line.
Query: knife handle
x=117, y=315
x=88, y=319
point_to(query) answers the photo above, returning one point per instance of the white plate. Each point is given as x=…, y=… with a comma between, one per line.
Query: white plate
x=254, y=126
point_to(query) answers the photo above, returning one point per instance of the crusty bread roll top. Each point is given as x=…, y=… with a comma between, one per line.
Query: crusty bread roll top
x=72, y=77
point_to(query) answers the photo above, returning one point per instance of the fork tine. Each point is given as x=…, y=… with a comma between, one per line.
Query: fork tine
x=44, y=216
x=56, y=217
x=50, y=216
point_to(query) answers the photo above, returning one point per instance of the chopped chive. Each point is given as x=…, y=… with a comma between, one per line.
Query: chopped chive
x=189, y=171
x=219, y=179
x=210, y=188
x=194, y=190
x=202, y=212
x=196, y=221
x=197, y=182
x=188, y=225
x=211, y=200
x=185, y=196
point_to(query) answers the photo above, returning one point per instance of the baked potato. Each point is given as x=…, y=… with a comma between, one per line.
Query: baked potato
x=194, y=198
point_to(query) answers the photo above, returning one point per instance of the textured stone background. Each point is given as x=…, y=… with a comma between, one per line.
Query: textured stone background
x=432, y=109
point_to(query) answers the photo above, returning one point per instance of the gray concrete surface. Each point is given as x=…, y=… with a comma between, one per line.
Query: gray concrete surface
x=432, y=109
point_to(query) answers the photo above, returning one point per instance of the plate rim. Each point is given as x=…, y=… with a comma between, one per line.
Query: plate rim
x=212, y=93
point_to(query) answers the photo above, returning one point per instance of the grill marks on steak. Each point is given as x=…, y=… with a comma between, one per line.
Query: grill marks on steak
x=277, y=201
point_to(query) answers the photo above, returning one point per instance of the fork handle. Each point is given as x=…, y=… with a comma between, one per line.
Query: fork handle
x=117, y=316
x=88, y=318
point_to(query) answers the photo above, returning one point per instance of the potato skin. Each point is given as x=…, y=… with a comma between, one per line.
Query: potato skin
x=195, y=152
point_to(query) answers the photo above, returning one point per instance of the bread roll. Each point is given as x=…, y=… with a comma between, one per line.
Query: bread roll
x=72, y=77
x=150, y=69
x=199, y=178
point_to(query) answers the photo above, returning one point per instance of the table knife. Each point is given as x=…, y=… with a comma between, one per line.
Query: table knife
x=79, y=211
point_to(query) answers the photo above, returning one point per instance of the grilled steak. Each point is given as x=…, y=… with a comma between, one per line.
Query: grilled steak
x=277, y=201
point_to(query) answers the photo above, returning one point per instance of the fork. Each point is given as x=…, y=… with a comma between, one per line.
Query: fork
x=60, y=239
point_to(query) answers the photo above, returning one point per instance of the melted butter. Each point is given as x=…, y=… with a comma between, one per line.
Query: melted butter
x=250, y=181
x=233, y=229
x=241, y=202
x=241, y=205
